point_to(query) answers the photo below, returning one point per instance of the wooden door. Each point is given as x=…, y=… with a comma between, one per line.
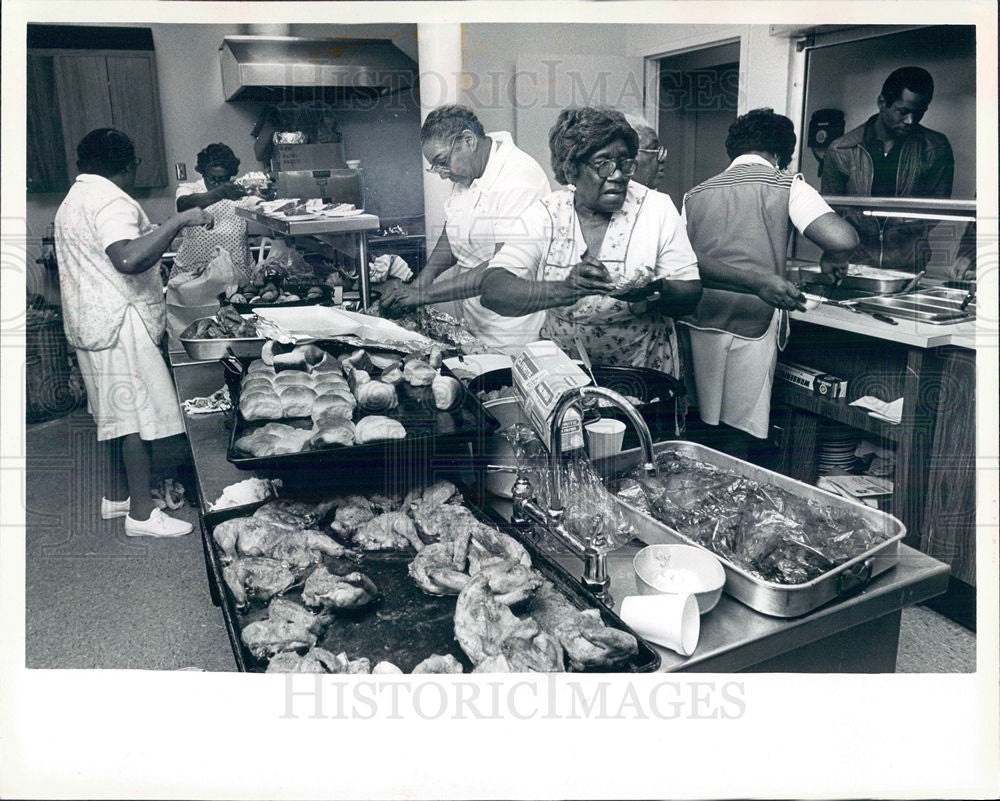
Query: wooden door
x=135, y=108
x=46, y=156
x=84, y=101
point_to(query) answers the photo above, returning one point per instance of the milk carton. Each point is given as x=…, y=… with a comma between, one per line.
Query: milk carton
x=542, y=374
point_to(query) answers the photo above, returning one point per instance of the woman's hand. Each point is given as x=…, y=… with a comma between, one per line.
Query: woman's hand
x=229, y=191
x=399, y=298
x=197, y=216
x=589, y=277
x=780, y=293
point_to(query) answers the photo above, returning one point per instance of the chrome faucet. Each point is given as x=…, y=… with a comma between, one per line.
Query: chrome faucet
x=527, y=509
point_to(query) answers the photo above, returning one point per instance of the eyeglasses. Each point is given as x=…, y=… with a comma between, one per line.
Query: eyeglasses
x=661, y=153
x=136, y=161
x=607, y=167
x=442, y=166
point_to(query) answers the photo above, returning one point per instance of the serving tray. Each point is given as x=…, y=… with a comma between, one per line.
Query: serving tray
x=778, y=600
x=406, y=625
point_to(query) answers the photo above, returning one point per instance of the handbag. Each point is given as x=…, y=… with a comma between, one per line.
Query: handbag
x=193, y=295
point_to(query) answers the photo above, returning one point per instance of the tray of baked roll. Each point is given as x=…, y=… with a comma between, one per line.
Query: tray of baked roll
x=323, y=403
x=405, y=581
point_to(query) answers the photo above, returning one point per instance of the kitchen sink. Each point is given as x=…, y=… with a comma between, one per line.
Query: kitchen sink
x=937, y=306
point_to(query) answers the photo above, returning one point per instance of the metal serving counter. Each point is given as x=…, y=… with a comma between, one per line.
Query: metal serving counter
x=858, y=634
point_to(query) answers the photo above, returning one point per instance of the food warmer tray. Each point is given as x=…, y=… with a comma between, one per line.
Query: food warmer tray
x=937, y=306
x=326, y=299
x=406, y=625
x=426, y=428
x=210, y=350
x=657, y=392
x=778, y=600
x=875, y=281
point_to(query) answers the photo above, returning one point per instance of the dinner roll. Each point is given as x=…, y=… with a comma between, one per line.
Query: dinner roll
x=334, y=404
x=339, y=433
x=376, y=396
x=261, y=406
x=418, y=373
x=292, y=378
x=376, y=427
x=297, y=401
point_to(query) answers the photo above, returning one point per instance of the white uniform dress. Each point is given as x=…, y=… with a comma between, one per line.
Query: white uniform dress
x=486, y=213
x=734, y=374
x=113, y=320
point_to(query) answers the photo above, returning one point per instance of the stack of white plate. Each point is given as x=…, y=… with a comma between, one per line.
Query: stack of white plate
x=835, y=446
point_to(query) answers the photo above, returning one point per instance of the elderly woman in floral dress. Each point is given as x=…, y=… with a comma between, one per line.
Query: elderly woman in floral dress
x=608, y=259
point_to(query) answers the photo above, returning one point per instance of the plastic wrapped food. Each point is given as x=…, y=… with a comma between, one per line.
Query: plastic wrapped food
x=762, y=528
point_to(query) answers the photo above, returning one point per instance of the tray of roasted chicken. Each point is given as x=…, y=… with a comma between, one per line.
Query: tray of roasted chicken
x=307, y=404
x=414, y=582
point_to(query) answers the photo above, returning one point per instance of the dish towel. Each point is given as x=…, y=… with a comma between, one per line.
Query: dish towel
x=889, y=412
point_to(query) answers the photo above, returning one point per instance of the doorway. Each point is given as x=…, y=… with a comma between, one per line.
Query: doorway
x=699, y=94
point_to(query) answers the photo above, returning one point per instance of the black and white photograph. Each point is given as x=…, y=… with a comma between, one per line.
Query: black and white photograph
x=552, y=382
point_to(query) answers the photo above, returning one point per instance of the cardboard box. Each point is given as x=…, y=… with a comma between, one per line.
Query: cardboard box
x=542, y=374
x=308, y=157
x=811, y=380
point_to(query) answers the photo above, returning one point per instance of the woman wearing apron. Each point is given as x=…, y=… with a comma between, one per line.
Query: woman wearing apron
x=607, y=258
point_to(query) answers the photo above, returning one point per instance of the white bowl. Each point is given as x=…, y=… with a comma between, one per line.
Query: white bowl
x=679, y=569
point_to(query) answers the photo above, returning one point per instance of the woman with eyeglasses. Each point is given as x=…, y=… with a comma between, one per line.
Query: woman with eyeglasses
x=606, y=258
x=217, y=193
x=651, y=156
x=493, y=183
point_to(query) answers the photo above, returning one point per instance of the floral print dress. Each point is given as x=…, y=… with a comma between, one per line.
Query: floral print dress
x=643, y=239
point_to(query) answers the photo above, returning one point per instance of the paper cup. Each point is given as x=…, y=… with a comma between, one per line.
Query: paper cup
x=672, y=621
x=605, y=437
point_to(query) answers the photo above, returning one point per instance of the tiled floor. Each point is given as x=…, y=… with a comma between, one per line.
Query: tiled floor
x=98, y=599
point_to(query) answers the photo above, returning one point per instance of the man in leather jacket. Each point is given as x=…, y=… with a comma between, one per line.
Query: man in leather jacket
x=892, y=155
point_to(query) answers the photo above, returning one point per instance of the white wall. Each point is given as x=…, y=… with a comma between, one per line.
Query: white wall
x=195, y=114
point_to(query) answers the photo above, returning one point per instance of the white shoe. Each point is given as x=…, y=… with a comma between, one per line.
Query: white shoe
x=158, y=525
x=113, y=509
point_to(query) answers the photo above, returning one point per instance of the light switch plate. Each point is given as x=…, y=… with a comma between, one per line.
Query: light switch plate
x=180, y=168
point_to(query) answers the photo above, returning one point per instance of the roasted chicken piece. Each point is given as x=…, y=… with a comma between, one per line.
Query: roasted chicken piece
x=288, y=626
x=436, y=522
x=490, y=547
x=289, y=514
x=440, y=568
x=257, y=577
x=292, y=662
x=485, y=627
x=432, y=495
x=391, y=531
x=587, y=641
x=351, y=512
x=253, y=536
x=329, y=591
x=511, y=582
x=439, y=663
x=386, y=668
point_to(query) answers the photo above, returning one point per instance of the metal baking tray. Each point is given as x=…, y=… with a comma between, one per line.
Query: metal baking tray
x=938, y=306
x=407, y=625
x=657, y=393
x=426, y=428
x=209, y=350
x=326, y=299
x=879, y=282
x=777, y=600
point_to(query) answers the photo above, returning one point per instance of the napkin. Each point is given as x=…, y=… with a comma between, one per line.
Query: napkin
x=889, y=412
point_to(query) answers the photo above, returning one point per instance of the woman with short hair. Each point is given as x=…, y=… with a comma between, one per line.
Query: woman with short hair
x=607, y=258
x=215, y=192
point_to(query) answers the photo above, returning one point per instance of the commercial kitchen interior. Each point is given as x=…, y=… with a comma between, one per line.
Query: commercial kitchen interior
x=98, y=599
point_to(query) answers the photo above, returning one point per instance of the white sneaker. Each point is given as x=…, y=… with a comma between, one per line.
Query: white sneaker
x=113, y=509
x=158, y=525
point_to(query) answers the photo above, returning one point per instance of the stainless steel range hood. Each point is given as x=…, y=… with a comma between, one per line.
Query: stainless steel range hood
x=273, y=68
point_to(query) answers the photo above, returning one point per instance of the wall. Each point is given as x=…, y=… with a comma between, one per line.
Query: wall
x=195, y=114
x=850, y=76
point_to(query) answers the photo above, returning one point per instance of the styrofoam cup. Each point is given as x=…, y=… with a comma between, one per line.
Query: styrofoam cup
x=672, y=621
x=605, y=437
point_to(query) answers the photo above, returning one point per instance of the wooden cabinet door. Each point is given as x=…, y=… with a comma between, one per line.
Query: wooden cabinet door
x=84, y=101
x=46, y=156
x=135, y=108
